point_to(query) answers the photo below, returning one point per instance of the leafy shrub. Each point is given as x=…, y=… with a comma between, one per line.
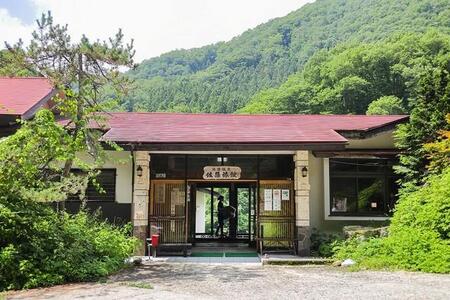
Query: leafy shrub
x=419, y=234
x=39, y=247
x=324, y=244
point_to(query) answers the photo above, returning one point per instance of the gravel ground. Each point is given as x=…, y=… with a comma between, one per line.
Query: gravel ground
x=250, y=281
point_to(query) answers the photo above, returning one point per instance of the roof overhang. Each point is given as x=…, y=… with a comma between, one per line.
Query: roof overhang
x=231, y=146
x=32, y=111
x=367, y=153
x=364, y=134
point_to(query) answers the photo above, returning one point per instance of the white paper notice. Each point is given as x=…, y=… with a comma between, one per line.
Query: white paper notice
x=285, y=195
x=174, y=197
x=267, y=199
x=276, y=195
x=160, y=193
x=276, y=200
x=277, y=204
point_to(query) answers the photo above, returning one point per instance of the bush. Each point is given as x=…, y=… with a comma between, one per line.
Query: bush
x=39, y=247
x=419, y=234
x=324, y=244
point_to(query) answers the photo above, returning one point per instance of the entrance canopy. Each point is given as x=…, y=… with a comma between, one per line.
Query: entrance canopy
x=163, y=131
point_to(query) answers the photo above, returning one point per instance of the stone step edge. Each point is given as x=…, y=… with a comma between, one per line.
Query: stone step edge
x=292, y=262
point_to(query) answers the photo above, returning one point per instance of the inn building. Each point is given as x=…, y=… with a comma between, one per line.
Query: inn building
x=285, y=175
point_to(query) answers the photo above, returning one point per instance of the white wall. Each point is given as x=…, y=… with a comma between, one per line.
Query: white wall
x=316, y=182
x=122, y=162
x=383, y=140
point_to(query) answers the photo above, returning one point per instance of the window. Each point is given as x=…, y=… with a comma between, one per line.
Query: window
x=106, y=180
x=276, y=167
x=361, y=187
x=168, y=166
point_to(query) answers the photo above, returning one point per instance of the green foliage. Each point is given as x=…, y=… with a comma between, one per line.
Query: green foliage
x=386, y=105
x=324, y=244
x=39, y=247
x=438, y=152
x=430, y=98
x=224, y=76
x=85, y=72
x=30, y=160
x=419, y=234
x=347, y=78
x=10, y=67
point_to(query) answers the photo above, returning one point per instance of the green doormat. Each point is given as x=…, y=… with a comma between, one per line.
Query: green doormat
x=224, y=254
x=241, y=254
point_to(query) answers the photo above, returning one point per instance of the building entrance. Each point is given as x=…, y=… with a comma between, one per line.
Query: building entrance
x=238, y=212
x=257, y=191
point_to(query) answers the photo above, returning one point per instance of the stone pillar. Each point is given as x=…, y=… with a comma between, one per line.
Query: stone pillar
x=141, y=199
x=302, y=187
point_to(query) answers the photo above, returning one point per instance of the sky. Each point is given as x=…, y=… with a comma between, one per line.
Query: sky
x=157, y=26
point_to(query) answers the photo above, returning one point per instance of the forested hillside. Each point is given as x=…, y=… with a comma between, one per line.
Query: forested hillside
x=223, y=77
x=350, y=77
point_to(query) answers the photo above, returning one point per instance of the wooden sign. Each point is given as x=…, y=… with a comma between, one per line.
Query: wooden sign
x=221, y=173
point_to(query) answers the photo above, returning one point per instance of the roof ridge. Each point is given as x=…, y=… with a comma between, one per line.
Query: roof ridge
x=251, y=115
x=19, y=77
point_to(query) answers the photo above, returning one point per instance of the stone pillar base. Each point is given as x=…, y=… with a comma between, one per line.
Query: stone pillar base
x=304, y=240
x=140, y=232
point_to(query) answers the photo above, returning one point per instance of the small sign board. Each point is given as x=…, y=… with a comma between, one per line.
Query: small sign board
x=221, y=173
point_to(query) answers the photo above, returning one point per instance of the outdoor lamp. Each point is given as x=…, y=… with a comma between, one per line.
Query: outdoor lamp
x=139, y=171
x=304, y=171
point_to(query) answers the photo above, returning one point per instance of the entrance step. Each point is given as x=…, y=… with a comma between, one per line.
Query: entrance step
x=220, y=249
x=293, y=260
x=224, y=254
x=207, y=260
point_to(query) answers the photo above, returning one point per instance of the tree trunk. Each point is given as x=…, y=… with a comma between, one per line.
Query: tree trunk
x=80, y=105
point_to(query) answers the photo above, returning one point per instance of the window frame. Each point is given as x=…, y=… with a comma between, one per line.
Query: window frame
x=329, y=215
x=113, y=200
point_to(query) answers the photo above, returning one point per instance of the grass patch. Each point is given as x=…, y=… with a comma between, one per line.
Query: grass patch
x=138, y=284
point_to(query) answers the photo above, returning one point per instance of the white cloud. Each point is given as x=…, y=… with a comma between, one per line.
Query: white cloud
x=11, y=29
x=158, y=26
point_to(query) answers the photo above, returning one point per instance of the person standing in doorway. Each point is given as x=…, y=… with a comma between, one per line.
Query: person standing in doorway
x=220, y=216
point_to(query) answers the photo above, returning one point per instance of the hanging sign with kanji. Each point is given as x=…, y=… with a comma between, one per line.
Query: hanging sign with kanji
x=221, y=173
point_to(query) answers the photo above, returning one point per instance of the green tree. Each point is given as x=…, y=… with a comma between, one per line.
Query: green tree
x=430, y=97
x=347, y=78
x=85, y=72
x=386, y=105
x=38, y=246
x=438, y=152
x=8, y=67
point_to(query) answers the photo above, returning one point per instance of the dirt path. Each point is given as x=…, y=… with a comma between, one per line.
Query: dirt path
x=250, y=281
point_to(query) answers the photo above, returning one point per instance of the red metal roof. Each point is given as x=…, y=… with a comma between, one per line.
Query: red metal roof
x=20, y=95
x=235, y=128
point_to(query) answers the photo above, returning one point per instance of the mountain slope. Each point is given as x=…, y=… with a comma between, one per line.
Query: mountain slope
x=223, y=77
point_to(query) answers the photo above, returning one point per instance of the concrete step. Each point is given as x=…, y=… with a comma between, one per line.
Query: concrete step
x=293, y=260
